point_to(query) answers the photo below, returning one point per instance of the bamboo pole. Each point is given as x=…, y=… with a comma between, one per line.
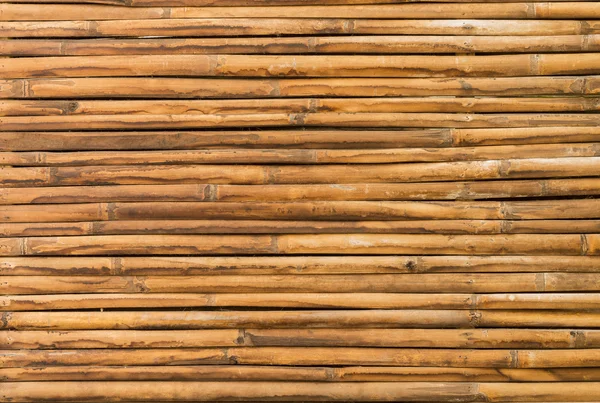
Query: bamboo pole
x=190, y=87
x=486, y=10
x=268, y=45
x=309, y=66
x=569, y=301
x=439, y=338
x=281, y=373
x=245, y=265
x=406, y=318
x=359, y=283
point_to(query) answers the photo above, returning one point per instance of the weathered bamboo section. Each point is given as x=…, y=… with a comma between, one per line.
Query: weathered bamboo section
x=299, y=200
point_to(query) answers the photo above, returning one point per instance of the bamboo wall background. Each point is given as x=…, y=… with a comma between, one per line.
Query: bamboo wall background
x=299, y=200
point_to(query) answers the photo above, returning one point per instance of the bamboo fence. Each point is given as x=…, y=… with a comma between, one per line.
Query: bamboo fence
x=299, y=200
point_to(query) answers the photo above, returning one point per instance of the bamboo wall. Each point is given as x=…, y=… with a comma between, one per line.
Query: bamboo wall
x=299, y=200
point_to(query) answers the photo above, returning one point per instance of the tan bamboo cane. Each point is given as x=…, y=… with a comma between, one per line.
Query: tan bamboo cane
x=191, y=87
x=440, y=338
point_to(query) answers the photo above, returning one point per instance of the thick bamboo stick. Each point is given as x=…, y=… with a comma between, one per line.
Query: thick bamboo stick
x=173, y=265
x=309, y=66
x=310, y=105
x=294, y=45
x=57, y=12
x=284, y=120
x=229, y=3
x=282, y=193
x=299, y=174
x=162, y=87
x=305, y=374
x=198, y=227
x=299, y=391
x=295, y=156
x=321, y=356
x=569, y=301
x=407, y=318
x=320, y=210
x=360, y=283
x=438, y=338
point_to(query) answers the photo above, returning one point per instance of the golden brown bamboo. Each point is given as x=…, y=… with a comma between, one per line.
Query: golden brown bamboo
x=57, y=12
x=245, y=265
x=295, y=139
x=229, y=3
x=299, y=391
x=281, y=373
x=502, y=358
x=271, y=120
x=198, y=227
x=162, y=87
x=439, y=338
x=309, y=66
x=406, y=318
x=295, y=156
x=299, y=174
x=295, y=45
x=308, y=105
x=320, y=210
x=285, y=193
x=569, y=301
x=359, y=283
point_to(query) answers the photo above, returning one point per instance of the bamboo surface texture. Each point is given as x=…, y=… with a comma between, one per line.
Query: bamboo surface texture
x=299, y=200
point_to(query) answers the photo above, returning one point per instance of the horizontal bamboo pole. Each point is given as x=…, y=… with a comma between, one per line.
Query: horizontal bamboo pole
x=310, y=105
x=294, y=45
x=163, y=87
x=428, y=338
x=284, y=120
x=305, y=374
x=282, y=193
x=352, y=244
x=408, y=357
x=308, y=66
x=296, y=156
x=227, y=27
x=541, y=10
x=298, y=174
x=198, y=227
x=569, y=301
x=229, y=3
x=320, y=210
x=299, y=391
x=173, y=265
x=406, y=318
x=360, y=283
x=294, y=139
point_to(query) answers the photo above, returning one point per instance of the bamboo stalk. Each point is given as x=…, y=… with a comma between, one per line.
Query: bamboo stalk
x=555, y=10
x=156, y=320
x=293, y=45
x=244, y=265
x=309, y=66
x=360, y=283
x=336, y=300
x=305, y=374
x=310, y=105
x=299, y=174
x=439, y=338
x=273, y=391
x=162, y=87
x=321, y=356
x=235, y=193
x=284, y=120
